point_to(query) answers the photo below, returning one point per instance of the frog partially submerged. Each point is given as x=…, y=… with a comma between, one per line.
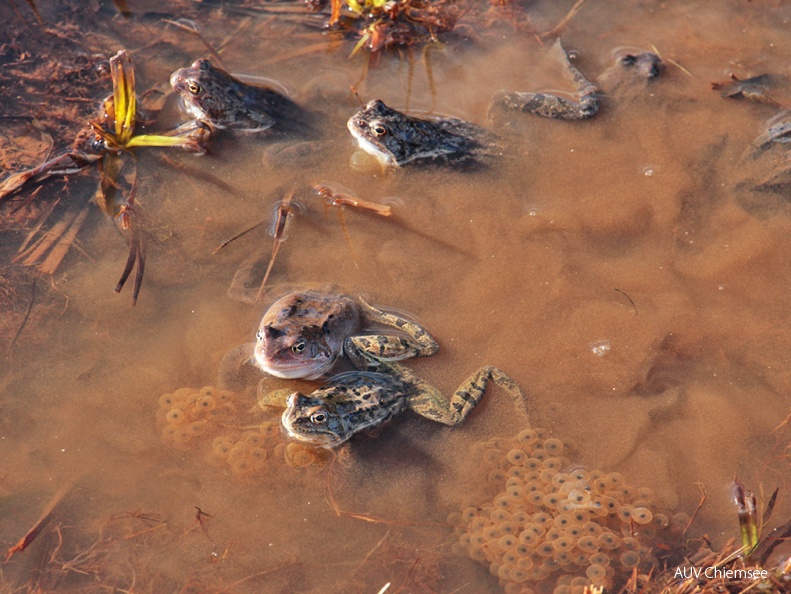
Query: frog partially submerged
x=219, y=100
x=763, y=88
x=359, y=400
x=303, y=334
x=396, y=138
x=766, y=166
x=552, y=106
x=628, y=66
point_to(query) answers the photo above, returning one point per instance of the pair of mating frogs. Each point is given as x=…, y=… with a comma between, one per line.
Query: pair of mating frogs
x=215, y=98
x=304, y=333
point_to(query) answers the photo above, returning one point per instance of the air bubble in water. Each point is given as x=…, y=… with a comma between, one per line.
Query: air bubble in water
x=600, y=347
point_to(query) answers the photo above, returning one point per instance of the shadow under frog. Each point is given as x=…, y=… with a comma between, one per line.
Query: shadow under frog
x=304, y=333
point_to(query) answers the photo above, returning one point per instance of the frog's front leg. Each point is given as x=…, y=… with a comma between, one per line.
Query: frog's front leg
x=428, y=401
x=368, y=350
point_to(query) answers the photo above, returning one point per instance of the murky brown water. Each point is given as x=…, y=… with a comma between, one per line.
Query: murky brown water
x=624, y=229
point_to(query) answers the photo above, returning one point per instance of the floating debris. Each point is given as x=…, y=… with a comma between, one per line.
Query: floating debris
x=382, y=23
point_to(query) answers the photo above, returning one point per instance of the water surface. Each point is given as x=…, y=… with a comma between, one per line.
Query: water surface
x=624, y=231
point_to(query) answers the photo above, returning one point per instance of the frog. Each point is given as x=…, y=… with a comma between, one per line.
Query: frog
x=378, y=391
x=221, y=101
x=762, y=88
x=304, y=333
x=552, y=106
x=627, y=68
x=766, y=165
x=396, y=139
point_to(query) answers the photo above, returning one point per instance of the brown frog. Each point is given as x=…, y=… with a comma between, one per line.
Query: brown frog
x=627, y=67
x=396, y=138
x=302, y=334
x=219, y=100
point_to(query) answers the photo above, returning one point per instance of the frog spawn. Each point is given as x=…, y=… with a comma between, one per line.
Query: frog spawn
x=190, y=414
x=548, y=529
x=195, y=417
x=255, y=451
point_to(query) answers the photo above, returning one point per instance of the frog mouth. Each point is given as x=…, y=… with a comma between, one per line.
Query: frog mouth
x=297, y=370
x=290, y=368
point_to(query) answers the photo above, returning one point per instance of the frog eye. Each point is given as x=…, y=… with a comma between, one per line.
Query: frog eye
x=194, y=87
x=299, y=346
x=378, y=129
x=318, y=417
x=628, y=60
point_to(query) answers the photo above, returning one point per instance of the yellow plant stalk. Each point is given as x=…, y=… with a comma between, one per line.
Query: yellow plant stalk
x=122, y=109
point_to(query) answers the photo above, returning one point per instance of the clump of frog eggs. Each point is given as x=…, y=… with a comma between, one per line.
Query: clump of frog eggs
x=194, y=416
x=555, y=528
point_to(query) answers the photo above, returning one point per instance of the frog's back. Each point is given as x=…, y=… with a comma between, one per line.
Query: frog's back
x=365, y=399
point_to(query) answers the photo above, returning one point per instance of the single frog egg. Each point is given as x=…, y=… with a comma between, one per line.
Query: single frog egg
x=206, y=403
x=527, y=436
x=625, y=513
x=499, y=515
x=242, y=467
x=196, y=428
x=588, y=544
x=553, y=445
x=175, y=416
x=660, y=521
x=600, y=558
x=545, y=549
x=168, y=433
x=553, y=463
x=516, y=457
x=642, y=515
x=596, y=573
x=610, y=541
x=254, y=439
x=507, y=542
x=564, y=543
x=630, y=559
x=562, y=521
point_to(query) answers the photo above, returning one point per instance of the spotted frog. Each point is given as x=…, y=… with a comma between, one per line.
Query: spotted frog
x=304, y=333
x=359, y=400
x=396, y=139
x=219, y=100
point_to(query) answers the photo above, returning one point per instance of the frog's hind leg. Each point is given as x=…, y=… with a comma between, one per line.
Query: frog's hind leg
x=428, y=402
x=388, y=348
x=551, y=106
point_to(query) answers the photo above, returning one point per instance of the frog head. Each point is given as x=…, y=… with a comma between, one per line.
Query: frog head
x=314, y=421
x=284, y=352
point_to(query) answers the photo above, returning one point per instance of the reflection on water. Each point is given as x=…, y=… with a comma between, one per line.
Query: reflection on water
x=631, y=230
